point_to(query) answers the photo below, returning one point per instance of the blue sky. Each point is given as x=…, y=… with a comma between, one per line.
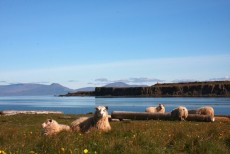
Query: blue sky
x=91, y=43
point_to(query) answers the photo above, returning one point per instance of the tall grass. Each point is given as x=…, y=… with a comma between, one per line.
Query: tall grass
x=22, y=134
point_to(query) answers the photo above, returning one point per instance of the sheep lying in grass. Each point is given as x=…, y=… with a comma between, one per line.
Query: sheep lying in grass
x=51, y=127
x=160, y=109
x=99, y=121
x=180, y=113
x=206, y=110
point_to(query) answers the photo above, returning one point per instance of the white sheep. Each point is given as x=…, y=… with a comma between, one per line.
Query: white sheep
x=180, y=113
x=160, y=109
x=100, y=121
x=51, y=127
x=206, y=110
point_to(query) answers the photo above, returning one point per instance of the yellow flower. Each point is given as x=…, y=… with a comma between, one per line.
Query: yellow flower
x=2, y=152
x=86, y=151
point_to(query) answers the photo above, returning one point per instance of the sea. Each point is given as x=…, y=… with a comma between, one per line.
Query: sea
x=83, y=105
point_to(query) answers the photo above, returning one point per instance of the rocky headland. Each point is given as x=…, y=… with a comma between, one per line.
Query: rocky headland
x=189, y=89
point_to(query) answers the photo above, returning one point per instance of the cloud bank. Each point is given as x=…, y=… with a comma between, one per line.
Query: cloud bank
x=136, y=80
x=138, y=71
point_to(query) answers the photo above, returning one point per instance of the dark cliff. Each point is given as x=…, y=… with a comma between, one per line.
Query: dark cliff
x=191, y=89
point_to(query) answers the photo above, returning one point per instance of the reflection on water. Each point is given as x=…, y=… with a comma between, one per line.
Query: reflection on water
x=87, y=104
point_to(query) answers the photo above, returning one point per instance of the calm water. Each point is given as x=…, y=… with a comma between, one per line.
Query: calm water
x=87, y=104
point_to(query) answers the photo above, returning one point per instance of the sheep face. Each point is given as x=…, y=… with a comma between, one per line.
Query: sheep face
x=161, y=106
x=101, y=111
x=48, y=123
x=183, y=113
x=180, y=113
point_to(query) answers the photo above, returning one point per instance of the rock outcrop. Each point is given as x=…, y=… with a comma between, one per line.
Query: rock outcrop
x=189, y=89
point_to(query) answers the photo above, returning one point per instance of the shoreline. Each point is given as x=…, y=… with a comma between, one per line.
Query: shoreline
x=14, y=112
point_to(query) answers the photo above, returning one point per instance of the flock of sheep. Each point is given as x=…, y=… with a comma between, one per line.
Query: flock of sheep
x=100, y=119
x=181, y=112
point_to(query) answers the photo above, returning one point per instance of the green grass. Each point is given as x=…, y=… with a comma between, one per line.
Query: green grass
x=22, y=134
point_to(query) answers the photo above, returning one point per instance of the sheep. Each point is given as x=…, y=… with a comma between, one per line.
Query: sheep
x=100, y=121
x=160, y=109
x=180, y=113
x=51, y=127
x=206, y=110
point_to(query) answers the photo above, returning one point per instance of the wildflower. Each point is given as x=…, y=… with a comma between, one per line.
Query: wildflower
x=32, y=152
x=63, y=149
x=86, y=151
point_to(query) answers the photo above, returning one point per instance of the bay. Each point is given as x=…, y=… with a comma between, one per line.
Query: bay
x=82, y=105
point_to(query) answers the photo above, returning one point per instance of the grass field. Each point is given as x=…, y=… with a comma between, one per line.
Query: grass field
x=21, y=134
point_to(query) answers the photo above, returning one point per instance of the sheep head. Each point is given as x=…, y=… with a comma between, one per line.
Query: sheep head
x=48, y=123
x=101, y=111
x=161, y=106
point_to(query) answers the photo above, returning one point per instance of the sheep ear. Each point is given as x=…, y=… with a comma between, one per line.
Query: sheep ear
x=106, y=107
x=50, y=120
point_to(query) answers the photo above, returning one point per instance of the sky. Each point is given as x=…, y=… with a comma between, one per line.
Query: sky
x=89, y=43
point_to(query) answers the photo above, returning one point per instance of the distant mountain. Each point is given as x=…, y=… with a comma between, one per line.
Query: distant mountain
x=114, y=84
x=30, y=89
x=123, y=85
x=90, y=91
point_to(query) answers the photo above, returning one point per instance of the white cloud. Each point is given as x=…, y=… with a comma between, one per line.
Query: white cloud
x=144, y=80
x=162, y=69
x=226, y=78
x=72, y=81
x=139, y=80
x=183, y=80
x=103, y=80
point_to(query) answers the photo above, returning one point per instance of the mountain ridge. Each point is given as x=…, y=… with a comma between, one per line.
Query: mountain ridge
x=32, y=89
x=36, y=89
x=122, y=84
